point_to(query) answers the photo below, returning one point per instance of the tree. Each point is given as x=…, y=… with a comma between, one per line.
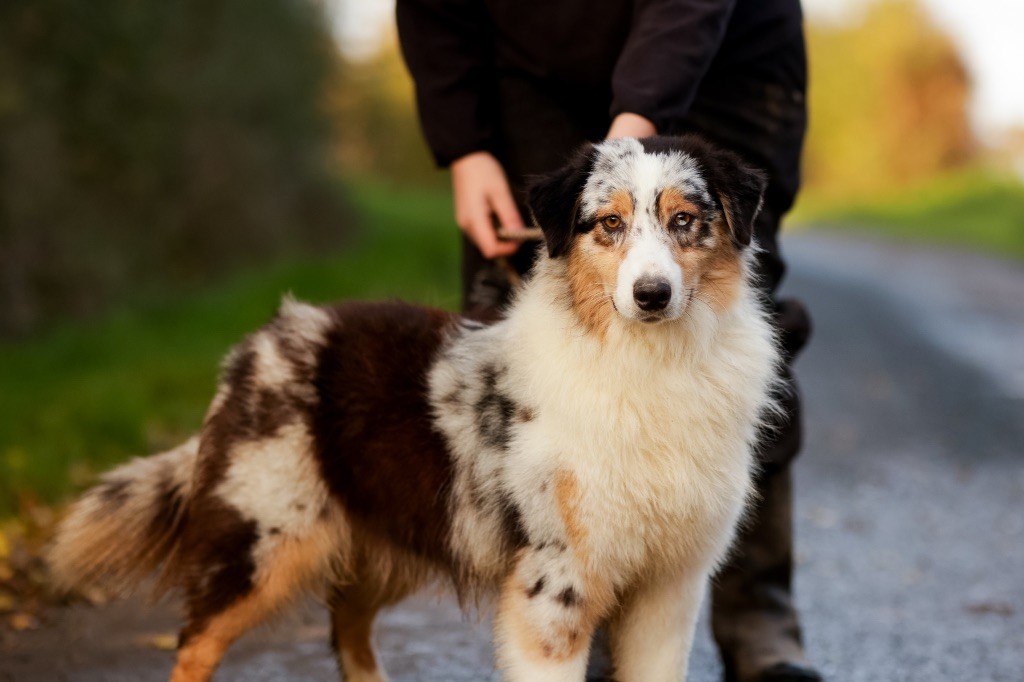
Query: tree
x=888, y=102
x=150, y=144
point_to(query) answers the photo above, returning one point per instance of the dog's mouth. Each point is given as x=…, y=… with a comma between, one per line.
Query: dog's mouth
x=646, y=318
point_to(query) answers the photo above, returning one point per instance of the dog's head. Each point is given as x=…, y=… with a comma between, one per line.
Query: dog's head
x=649, y=227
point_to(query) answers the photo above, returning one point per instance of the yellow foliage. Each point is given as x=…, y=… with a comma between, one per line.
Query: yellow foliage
x=888, y=102
x=373, y=109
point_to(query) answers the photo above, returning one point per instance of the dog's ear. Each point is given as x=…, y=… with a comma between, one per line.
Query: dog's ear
x=740, y=188
x=555, y=201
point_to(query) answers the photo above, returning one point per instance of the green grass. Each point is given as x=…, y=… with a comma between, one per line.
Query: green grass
x=972, y=210
x=84, y=397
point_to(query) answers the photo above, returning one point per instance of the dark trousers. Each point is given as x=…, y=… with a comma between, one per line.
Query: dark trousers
x=754, y=621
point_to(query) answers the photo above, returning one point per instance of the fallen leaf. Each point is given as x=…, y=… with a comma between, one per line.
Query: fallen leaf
x=824, y=517
x=164, y=642
x=42, y=516
x=997, y=608
x=94, y=595
x=23, y=621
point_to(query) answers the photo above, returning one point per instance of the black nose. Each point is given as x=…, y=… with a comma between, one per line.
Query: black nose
x=652, y=294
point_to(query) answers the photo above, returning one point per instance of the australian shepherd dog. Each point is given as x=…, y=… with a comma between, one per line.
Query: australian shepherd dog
x=584, y=461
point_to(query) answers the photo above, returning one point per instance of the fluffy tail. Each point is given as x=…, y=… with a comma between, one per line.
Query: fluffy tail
x=121, y=530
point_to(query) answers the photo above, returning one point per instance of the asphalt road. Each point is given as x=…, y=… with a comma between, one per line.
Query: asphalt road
x=910, y=501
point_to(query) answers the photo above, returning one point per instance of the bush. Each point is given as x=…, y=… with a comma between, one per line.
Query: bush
x=153, y=144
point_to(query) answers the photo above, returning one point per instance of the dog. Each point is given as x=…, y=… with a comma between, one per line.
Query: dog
x=581, y=463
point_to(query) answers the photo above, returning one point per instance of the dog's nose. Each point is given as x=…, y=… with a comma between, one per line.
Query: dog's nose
x=652, y=294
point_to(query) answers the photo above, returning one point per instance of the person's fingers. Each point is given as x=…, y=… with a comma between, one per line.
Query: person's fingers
x=467, y=207
x=486, y=239
x=628, y=124
x=509, y=220
x=481, y=191
x=480, y=231
x=505, y=208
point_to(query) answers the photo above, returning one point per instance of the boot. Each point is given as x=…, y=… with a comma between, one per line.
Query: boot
x=753, y=617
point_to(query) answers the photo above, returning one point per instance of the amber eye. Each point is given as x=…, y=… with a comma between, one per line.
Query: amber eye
x=612, y=222
x=682, y=220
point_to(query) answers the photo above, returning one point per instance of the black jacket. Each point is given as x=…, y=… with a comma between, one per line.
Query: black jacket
x=649, y=57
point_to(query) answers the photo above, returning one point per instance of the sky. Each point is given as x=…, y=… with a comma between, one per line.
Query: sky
x=988, y=32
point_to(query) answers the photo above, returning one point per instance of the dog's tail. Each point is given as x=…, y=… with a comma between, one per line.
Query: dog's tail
x=125, y=527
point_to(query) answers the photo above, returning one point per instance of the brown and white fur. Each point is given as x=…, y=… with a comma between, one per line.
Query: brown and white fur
x=585, y=460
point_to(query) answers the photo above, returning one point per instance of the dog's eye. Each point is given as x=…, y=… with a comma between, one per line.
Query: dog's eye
x=612, y=222
x=682, y=220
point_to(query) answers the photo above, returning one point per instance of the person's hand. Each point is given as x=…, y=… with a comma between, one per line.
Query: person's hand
x=631, y=125
x=481, y=190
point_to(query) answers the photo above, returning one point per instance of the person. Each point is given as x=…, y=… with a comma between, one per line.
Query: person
x=508, y=89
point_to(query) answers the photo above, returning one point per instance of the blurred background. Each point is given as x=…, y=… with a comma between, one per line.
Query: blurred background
x=169, y=169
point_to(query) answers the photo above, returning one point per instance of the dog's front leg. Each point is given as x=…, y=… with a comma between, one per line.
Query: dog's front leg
x=652, y=634
x=547, y=613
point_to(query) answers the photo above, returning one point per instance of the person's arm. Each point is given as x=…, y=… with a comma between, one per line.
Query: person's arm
x=628, y=124
x=445, y=45
x=669, y=48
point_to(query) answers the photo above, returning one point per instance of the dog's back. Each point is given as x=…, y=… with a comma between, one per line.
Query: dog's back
x=317, y=465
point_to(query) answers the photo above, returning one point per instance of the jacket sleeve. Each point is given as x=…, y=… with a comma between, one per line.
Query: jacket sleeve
x=445, y=46
x=669, y=48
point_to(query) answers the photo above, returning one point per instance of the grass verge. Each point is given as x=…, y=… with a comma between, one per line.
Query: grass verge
x=973, y=210
x=83, y=397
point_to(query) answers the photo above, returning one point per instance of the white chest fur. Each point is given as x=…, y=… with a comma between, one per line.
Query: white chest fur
x=653, y=426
